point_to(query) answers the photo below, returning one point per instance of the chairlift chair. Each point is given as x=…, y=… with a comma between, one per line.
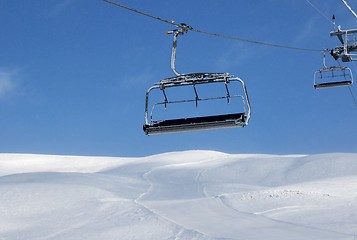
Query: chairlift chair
x=332, y=76
x=196, y=123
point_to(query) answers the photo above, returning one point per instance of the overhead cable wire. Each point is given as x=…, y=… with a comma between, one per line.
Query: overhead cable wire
x=209, y=33
x=349, y=8
x=353, y=96
x=321, y=13
x=349, y=87
x=256, y=42
x=146, y=14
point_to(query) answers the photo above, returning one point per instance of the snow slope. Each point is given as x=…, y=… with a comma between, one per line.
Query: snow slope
x=179, y=195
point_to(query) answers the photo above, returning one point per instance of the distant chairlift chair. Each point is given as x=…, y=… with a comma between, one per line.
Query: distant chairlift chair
x=332, y=76
x=231, y=120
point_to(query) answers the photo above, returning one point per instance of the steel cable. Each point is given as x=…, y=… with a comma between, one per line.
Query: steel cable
x=349, y=8
x=209, y=33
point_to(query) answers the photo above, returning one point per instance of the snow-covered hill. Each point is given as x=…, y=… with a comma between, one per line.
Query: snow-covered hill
x=180, y=195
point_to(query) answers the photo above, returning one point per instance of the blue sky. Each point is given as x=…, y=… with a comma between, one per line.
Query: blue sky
x=74, y=73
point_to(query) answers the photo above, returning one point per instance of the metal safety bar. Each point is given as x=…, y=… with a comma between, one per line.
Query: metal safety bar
x=184, y=83
x=194, y=100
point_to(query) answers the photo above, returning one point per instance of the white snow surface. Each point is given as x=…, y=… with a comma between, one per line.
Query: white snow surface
x=179, y=195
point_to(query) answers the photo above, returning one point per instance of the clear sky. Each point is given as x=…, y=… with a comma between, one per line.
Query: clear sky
x=74, y=73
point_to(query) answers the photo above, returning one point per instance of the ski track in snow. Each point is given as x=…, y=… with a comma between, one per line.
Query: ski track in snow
x=179, y=195
x=137, y=201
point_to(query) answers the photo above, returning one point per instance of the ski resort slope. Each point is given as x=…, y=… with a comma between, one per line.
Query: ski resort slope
x=179, y=195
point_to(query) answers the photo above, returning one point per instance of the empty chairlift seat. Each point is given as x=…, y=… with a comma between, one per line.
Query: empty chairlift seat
x=333, y=77
x=197, y=123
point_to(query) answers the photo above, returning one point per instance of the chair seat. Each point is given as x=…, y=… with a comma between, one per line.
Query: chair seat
x=195, y=123
x=333, y=84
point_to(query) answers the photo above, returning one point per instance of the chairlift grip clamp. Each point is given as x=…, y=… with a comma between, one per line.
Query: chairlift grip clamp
x=183, y=28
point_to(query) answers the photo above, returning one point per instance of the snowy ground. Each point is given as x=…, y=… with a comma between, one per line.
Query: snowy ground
x=181, y=195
